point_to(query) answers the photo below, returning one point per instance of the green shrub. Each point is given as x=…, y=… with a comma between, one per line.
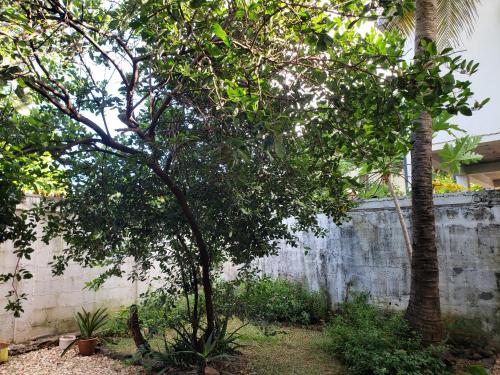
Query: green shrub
x=155, y=315
x=280, y=300
x=463, y=333
x=259, y=300
x=375, y=342
x=117, y=324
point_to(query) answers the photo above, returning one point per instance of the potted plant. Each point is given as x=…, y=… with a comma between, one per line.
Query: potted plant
x=89, y=324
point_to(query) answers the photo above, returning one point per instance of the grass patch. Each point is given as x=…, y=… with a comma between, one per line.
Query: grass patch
x=291, y=350
x=126, y=345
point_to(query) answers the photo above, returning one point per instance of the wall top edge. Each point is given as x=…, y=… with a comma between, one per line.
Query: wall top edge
x=483, y=197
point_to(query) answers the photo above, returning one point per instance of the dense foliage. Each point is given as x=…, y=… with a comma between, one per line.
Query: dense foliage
x=258, y=300
x=375, y=342
x=155, y=316
x=280, y=301
x=21, y=172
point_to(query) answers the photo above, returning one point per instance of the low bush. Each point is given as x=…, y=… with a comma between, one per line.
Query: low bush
x=280, y=301
x=117, y=324
x=463, y=333
x=155, y=315
x=375, y=342
x=262, y=301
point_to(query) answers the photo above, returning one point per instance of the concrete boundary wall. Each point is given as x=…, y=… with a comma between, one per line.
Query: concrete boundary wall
x=367, y=253
x=52, y=301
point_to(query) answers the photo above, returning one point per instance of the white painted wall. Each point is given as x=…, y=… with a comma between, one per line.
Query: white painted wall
x=52, y=301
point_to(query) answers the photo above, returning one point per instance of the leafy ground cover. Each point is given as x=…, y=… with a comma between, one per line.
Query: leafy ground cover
x=278, y=327
x=373, y=341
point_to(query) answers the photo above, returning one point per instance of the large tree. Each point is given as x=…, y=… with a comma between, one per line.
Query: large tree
x=120, y=211
x=211, y=86
x=443, y=22
x=424, y=311
x=178, y=74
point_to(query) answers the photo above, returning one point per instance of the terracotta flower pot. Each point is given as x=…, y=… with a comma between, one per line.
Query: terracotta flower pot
x=87, y=347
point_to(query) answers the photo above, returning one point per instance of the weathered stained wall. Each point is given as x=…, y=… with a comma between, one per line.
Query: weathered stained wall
x=368, y=253
x=52, y=301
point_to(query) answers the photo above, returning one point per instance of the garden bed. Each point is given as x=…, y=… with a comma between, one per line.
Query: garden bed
x=289, y=350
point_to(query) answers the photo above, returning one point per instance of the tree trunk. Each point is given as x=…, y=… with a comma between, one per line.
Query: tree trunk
x=194, y=317
x=401, y=217
x=133, y=325
x=424, y=311
x=200, y=244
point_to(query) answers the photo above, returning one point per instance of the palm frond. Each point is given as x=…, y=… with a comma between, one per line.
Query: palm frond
x=404, y=22
x=456, y=19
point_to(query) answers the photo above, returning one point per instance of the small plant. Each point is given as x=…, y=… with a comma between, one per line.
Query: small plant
x=89, y=325
x=184, y=351
x=375, y=342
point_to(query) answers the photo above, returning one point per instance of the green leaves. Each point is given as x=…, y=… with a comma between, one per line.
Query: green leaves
x=460, y=152
x=221, y=34
x=441, y=123
x=466, y=111
x=197, y=3
x=90, y=323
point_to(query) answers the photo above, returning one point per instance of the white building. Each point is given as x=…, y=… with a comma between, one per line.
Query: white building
x=483, y=46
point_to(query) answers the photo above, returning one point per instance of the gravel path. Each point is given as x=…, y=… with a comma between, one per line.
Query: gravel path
x=50, y=362
x=496, y=368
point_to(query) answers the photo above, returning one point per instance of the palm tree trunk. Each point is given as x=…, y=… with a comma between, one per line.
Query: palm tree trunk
x=424, y=311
